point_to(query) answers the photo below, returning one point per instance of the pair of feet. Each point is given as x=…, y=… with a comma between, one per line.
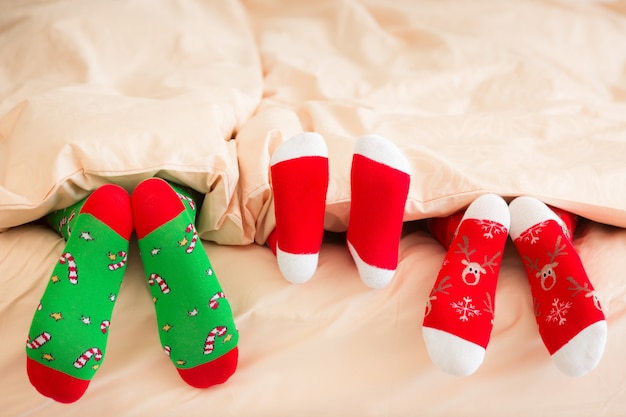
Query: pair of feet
x=68, y=335
x=460, y=309
x=379, y=182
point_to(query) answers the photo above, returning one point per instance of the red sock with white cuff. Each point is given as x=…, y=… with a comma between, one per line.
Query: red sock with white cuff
x=380, y=179
x=460, y=309
x=299, y=171
x=570, y=320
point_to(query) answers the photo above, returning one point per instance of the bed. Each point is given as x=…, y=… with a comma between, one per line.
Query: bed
x=513, y=98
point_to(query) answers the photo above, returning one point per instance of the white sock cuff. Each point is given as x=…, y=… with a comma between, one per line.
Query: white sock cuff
x=489, y=207
x=302, y=144
x=527, y=212
x=381, y=150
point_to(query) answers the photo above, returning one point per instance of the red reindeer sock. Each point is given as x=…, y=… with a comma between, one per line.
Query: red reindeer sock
x=460, y=309
x=570, y=320
x=299, y=171
x=380, y=179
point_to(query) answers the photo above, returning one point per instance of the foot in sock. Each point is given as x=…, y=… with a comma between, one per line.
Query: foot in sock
x=459, y=313
x=68, y=335
x=194, y=318
x=570, y=320
x=379, y=181
x=299, y=171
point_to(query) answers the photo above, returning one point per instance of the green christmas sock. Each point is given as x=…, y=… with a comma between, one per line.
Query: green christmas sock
x=67, y=338
x=195, y=321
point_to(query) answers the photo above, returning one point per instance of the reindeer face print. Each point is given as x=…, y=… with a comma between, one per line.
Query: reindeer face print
x=473, y=271
x=547, y=273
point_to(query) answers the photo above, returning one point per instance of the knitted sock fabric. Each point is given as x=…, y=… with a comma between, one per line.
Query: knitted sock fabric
x=68, y=335
x=299, y=172
x=460, y=309
x=194, y=318
x=568, y=313
x=380, y=177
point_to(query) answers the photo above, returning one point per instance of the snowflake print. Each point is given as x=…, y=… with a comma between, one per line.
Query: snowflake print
x=532, y=235
x=491, y=228
x=465, y=308
x=558, y=311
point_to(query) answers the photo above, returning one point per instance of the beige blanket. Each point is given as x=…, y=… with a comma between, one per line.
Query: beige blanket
x=512, y=98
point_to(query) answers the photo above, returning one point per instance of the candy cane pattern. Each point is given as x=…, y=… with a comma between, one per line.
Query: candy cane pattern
x=167, y=350
x=192, y=205
x=62, y=223
x=219, y=331
x=66, y=220
x=194, y=238
x=40, y=340
x=104, y=326
x=160, y=281
x=213, y=302
x=86, y=355
x=118, y=265
x=72, y=271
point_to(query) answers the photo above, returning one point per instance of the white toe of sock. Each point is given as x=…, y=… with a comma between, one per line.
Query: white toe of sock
x=527, y=212
x=489, y=207
x=296, y=268
x=372, y=276
x=381, y=150
x=452, y=354
x=582, y=354
x=302, y=144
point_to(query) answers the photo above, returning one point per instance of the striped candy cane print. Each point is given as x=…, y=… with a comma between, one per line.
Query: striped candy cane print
x=192, y=205
x=118, y=265
x=209, y=344
x=194, y=238
x=86, y=355
x=66, y=221
x=72, y=271
x=213, y=302
x=38, y=341
x=104, y=326
x=158, y=279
